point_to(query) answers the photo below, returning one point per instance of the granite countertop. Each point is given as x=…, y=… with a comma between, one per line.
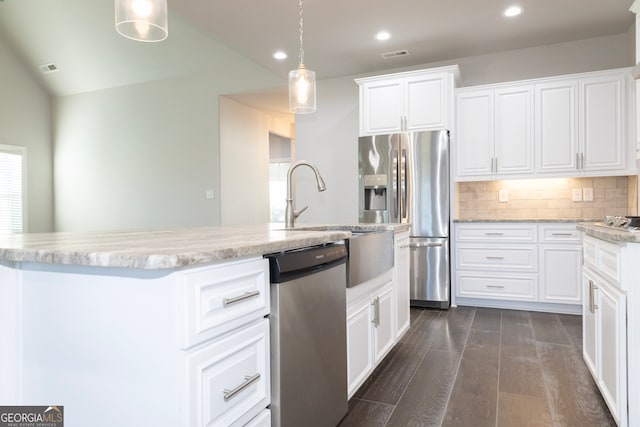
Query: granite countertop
x=171, y=248
x=535, y=220
x=607, y=232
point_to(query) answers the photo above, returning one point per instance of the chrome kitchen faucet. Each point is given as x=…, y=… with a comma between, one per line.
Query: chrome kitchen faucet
x=290, y=214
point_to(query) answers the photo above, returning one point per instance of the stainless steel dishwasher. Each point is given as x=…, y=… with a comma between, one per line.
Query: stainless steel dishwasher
x=308, y=336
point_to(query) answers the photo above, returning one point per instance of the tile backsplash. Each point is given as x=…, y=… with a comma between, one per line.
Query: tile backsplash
x=546, y=198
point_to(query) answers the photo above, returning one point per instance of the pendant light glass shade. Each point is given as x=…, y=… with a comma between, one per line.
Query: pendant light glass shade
x=302, y=91
x=142, y=20
x=302, y=82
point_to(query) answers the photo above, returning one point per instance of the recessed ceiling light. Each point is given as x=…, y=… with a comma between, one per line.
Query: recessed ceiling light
x=383, y=35
x=280, y=55
x=512, y=11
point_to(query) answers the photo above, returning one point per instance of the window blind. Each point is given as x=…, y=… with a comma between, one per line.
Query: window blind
x=11, y=192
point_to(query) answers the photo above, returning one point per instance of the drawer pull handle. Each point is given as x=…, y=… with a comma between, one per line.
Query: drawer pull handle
x=562, y=234
x=494, y=234
x=248, y=380
x=494, y=257
x=495, y=286
x=229, y=301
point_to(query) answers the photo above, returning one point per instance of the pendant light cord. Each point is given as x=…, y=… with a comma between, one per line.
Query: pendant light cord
x=301, y=53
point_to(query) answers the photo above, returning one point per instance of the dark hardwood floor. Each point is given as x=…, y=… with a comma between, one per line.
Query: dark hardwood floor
x=476, y=367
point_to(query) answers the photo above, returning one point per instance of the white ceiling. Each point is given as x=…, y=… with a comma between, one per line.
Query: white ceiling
x=79, y=35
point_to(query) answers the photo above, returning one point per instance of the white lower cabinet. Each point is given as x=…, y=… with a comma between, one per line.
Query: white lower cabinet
x=370, y=328
x=228, y=380
x=525, y=263
x=261, y=420
x=187, y=348
x=605, y=330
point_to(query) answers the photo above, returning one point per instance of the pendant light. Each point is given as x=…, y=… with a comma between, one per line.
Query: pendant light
x=302, y=83
x=142, y=20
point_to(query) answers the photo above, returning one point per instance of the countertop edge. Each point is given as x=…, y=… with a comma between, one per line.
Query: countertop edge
x=605, y=232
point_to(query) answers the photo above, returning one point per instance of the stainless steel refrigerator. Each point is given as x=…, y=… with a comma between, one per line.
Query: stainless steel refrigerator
x=404, y=178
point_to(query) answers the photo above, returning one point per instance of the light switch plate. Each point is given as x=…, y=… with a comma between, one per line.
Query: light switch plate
x=503, y=196
x=210, y=194
x=587, y=194
x=577, y=195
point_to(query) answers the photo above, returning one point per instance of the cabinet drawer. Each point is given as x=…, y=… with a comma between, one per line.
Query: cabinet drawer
x=262, y=420
x=608, y=261
x=559, y=233
x=603, y=257
x=227, y=382
x=220, y=298
x=487, y=257
x=496, y=233
x=507, y=287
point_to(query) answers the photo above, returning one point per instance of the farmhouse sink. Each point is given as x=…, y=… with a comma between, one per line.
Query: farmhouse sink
x=370, y=255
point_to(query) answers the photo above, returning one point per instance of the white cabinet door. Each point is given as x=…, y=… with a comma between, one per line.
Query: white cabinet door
x=556, y=126
x=602, y=112
x=475, y=133
x=612, y=348
x=560, y=274
x=425, y=102
x=359, y=344
x=589, y=322
x=514, y=130
x=402, y=286
x=383, y=321
x=381, y=106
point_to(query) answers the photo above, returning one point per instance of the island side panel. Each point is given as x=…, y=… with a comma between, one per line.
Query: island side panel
x=96, y=341
x=10, y=333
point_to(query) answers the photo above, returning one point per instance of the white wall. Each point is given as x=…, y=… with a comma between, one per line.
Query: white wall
x=244, y=167
x=143, y=156
x=329, y=137
x=25, y=120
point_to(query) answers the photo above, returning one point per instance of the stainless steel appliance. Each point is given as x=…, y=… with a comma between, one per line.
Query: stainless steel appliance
x=370, y=255
x=308, y=336
x=404, y=178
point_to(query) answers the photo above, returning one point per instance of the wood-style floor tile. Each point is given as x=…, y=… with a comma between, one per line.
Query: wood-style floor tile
x=475, y=391
x=425, y=399
x=483, y=367
x=366, y=413
x=515, y=410
x=452, y=336
x=548, y=328
x=387, y=383
x=574, y=399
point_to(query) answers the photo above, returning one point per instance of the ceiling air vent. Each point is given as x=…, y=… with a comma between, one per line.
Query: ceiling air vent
x=48, y=68
x=395, y=54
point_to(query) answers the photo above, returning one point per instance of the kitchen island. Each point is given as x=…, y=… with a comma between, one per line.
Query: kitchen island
x=143, y=327
x=611, y=316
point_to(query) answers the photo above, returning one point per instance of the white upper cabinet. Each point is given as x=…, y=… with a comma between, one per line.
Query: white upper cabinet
x=557, y=126
x=581, y=125
x=411, y=101
x=565, y=126
x=495, y=132
x=602, y=123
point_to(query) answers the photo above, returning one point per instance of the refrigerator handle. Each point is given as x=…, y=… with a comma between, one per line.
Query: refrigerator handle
x=395, y=193
x=404, y=186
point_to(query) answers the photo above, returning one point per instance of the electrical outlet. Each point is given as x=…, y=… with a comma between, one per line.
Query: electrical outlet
x=210, y=194
x=577, y=195
x=503, y=196
x=587, y=194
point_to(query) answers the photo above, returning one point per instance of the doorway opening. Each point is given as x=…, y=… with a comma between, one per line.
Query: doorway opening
x=280, y=154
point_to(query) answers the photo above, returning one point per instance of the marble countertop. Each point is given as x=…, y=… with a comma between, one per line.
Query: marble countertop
x=171, y=248
x=534, y=220
x=607, y=232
